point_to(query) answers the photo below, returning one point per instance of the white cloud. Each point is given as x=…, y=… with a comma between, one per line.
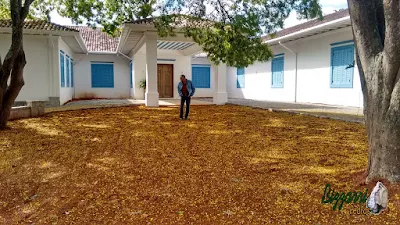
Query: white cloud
x=336, y=3
x=292, y=20
x=328, y=7
x=56, y=18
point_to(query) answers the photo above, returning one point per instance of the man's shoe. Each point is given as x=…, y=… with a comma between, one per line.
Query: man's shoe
x=180, y=118
x=186, y=118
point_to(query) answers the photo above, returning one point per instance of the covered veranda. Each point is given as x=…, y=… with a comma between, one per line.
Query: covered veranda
x=162, y=60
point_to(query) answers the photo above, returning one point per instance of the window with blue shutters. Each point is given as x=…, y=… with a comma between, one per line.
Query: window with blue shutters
x=277, y=67
x=342, y=66
x=201, y=76
x=62, y=71
x=72, y=73
x=130, y=74
x=68, y=71
x=102, y=75
x=240, y=78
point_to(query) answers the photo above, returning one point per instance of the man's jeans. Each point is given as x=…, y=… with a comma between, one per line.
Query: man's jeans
x=183, y=100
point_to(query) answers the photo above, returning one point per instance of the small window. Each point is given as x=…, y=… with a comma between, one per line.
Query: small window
x=278, y=71
x=201, y=76
x=62, y=70
x=130, y=74
x=342, y=66
x=72, y=73
x=68, y=71
x=102, y=75
x=240, y=78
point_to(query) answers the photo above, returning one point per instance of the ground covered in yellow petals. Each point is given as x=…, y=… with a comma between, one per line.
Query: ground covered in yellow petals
x=137, y=165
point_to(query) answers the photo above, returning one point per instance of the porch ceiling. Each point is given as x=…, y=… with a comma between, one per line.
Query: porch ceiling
x=174, y=45
x=133, y=37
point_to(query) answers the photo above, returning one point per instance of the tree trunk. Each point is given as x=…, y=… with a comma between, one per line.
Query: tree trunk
x=11, y=93
x=14, y=62
x=375, y=26
x=384, y=142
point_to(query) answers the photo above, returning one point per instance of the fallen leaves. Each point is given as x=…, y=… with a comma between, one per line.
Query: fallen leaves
x=138, y=165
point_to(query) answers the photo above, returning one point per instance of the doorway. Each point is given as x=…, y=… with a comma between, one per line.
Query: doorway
x=165, y=80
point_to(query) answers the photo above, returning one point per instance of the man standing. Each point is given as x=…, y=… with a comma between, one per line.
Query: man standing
x=186, y=91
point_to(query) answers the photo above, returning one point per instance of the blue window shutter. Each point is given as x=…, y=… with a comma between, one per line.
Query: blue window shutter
x=201, y=76
x=342, y=66
x=72, y=73
x=240, y=78
x=62, y=69
x=278, y=72
x=68, y=71
x=130, y=74
x=102, y=75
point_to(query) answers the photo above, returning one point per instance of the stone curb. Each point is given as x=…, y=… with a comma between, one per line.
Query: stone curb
x=361, y=120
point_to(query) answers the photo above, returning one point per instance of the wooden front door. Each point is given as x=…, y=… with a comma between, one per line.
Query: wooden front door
x=165, y=73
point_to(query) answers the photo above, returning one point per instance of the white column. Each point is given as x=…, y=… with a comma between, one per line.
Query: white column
x=139, y=74
x=220, y=93
x=151, y=95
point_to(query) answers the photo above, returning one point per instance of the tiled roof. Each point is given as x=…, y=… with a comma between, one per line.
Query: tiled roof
x=96, y=40
x=38, y=25
x=309, y=24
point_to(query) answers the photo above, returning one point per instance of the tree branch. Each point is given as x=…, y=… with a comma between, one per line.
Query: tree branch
x=16, y=44
x=380, y=17
x=392, y=44
x=225, y=14
x=366, y=34
x=14, y=9
x=25, y=9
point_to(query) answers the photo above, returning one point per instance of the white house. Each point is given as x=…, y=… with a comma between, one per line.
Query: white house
x=314, y=62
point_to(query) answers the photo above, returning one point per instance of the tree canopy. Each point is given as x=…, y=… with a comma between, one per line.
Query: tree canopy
x=233, y=37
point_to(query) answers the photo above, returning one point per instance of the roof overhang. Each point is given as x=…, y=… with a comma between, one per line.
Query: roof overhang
x=133, y=37
x=72, y=38
x=312, y=31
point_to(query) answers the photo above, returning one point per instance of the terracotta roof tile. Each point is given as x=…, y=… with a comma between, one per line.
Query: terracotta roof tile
x=38, y=25
x=96, y=40
x=309, y=24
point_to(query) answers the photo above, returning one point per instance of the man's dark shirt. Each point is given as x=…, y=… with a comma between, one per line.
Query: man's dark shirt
x=185, y=91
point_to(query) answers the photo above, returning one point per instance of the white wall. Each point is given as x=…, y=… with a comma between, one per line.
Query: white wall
x=36, y=71
x=182, y=65
x=313, y=81
x=258, y=81
x=83, y=80
x=66, y=93
x=206, y=92
x=315, y=66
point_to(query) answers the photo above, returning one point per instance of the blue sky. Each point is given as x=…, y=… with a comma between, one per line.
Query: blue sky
x=328, y=6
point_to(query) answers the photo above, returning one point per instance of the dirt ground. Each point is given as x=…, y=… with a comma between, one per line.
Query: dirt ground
x=226, y=165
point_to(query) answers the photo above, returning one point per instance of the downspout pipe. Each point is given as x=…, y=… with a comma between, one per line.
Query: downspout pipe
x=295, y=71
